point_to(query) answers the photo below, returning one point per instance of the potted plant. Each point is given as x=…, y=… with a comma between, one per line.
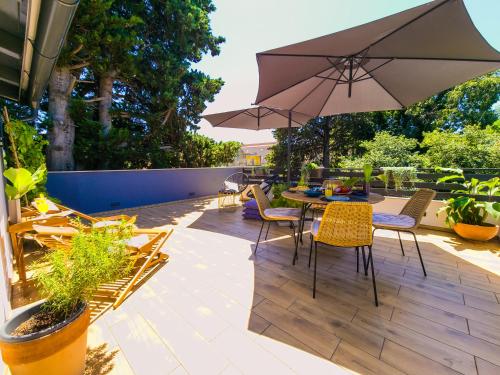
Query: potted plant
x=50, y=336
x=367, y=174
x=305, y=173
x=465, y=214
x=21, y=183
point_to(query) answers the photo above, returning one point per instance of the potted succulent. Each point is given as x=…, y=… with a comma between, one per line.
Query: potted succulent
x=50, y=336
x=465, y=214
x=21, y=183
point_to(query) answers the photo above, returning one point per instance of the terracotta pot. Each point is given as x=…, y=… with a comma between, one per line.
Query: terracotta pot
x=60, y=349
x=476, y=232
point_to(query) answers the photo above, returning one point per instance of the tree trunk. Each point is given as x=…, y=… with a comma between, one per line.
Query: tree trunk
x=326, y=142
x=106, y=93
x=61, y=135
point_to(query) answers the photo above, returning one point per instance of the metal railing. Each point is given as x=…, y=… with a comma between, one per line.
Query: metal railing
x=424, y=178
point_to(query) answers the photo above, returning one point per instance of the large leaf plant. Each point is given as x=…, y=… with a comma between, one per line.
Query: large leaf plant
x=22, y=181
x=465, y=208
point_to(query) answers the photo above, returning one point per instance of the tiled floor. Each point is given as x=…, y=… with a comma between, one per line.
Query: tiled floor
x=217, y=309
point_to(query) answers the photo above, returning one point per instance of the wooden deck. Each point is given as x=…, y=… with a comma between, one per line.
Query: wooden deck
x=217, y=309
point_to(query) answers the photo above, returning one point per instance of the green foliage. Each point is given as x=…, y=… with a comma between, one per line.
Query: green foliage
x=473, y=147
x=386, y=150
x=367, y=173
x=466, y=209
x=95, y=257
x=305, y=172
x=197, y=150
x=22, y=181
x=30, y=148
x=279, y=200
x=29, y=144
x=400, y=176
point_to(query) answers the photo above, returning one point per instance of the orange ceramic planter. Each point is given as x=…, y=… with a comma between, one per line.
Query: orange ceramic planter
x=476, y=232
x=58, y=350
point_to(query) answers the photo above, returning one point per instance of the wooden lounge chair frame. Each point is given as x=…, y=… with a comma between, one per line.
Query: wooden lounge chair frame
x=149, y=251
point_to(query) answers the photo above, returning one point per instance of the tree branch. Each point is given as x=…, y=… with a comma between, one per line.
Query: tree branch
x=79, y=66
x=94, y=99
x=76, y=50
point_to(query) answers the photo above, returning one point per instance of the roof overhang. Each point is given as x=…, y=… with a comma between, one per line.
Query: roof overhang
x=32, y=33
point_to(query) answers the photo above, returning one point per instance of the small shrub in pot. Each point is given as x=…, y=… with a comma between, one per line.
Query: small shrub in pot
x=51, y=336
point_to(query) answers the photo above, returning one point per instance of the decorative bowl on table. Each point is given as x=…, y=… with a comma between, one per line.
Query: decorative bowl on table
x=342, y=190
x=313, y=193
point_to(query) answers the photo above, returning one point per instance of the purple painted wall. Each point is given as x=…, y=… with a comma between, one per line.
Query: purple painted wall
x=96, y=191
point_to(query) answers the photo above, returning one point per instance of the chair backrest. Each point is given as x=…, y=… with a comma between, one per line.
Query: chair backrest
x=238, y=179
x=417, y=204
x=261, y=199
x=346, y=224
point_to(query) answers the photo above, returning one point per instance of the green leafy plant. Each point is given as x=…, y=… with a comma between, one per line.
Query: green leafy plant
x=96, y=256
x=466, y=209
x=305, y=172
x=278, y=200
x=399, y=176
x=22, y=181
x=367, y=173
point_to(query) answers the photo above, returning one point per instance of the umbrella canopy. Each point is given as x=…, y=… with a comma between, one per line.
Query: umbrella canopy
x=386, y=64
x=257, y=118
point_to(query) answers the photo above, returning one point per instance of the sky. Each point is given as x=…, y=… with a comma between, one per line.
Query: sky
x=252, y=26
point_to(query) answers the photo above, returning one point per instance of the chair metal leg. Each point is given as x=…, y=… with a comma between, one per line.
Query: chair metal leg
x=373, y=274
x=268, y=226
x=296, y=243
x=357, y=259
x=365, y=264
x=310, y=250
x=315, y=267
x=401, y=243
x=258, y=239
x=419, y=254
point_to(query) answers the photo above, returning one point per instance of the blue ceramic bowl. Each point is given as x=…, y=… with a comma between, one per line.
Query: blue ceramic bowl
x=313, y=193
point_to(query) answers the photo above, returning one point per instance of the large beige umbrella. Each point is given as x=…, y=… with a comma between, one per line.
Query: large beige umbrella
x=259, y=118
x=386, y=64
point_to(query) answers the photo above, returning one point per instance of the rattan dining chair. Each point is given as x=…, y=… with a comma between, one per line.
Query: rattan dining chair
x=233, y=186
x=270, y=215
x=345, y=224
x=408, y=219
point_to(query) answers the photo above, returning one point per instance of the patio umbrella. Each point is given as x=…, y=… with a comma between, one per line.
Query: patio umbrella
x=386, y=64
x=258, y=118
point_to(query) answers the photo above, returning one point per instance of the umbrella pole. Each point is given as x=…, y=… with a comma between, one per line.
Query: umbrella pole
x=288, y=147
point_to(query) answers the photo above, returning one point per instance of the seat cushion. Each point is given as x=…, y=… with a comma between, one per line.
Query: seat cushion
x=390, y=220
x=282, y=213
x=315, y=227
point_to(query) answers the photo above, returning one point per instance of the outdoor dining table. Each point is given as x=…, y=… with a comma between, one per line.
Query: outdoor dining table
x=307, y=202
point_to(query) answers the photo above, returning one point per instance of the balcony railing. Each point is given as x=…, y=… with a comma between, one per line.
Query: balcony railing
x=424, y=178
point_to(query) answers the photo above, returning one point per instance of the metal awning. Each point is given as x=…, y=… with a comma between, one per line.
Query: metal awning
x=32, y=33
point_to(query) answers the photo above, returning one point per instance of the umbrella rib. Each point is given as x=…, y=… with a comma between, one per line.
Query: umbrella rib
x=231, y=117
x=313, y=89
x=299, y=82
x=368, y=73
x=329, y=95
x=282, y=115
x=408, y=23
x=385, y=57
x=387, y=91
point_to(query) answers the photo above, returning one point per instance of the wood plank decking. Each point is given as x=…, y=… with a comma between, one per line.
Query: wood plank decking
x=217, y=309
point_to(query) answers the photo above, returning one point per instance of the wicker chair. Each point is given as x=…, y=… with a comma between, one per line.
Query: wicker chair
x=233, y=186
x=270, y=215
x=408, y=219
x=345, y=225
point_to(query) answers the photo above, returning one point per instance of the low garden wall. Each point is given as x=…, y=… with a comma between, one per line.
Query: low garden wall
x=97, y=191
